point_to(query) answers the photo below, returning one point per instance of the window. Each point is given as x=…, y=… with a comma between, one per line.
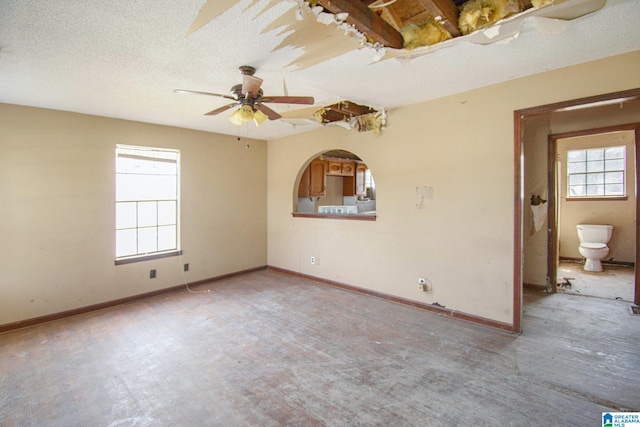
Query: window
x=596, y=172
x=147, y=196
x=369, y=184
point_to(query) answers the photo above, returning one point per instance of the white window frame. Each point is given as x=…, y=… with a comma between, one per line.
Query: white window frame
x=596, y=171
x=147, y=203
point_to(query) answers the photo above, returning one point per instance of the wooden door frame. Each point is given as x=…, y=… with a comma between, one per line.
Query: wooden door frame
x=520, y=117
x=552, y=165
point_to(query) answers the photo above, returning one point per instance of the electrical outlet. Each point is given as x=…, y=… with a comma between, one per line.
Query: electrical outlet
x=423, y=284
x=313, y=260
x=152, y=274
x=186, y=267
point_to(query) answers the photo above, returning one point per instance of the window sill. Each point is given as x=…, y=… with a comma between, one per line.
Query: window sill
x=355, y=217
x=147, y=257
x=595, y=199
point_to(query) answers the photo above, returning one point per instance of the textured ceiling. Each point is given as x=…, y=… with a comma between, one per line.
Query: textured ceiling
x=122, y=59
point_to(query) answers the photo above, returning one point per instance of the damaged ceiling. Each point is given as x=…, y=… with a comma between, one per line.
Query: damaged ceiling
x=383, y=20
x=123, y=59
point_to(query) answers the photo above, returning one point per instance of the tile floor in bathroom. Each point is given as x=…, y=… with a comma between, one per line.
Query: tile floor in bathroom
x=615, y=282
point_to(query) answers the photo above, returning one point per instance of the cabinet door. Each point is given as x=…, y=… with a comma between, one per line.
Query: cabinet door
x=317, y=178
x=348, y=169
x=334, y=168
x=303, y=188
x=348, y=186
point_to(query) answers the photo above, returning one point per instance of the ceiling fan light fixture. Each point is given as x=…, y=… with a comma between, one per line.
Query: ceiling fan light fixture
x=242, y=115
x=249, y=100
x=259, y=117
x=235, y=118
x=246, y=113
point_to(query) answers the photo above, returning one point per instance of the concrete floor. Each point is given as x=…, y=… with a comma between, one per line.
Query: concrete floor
x=267, y=349
x=615, y=282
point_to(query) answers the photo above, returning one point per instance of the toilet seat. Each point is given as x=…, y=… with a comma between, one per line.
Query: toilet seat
x=593, y=245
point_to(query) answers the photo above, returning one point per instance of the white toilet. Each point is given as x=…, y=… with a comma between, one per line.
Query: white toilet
x=593, y=244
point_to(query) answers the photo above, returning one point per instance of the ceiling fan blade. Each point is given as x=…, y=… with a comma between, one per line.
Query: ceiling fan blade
x=203, y=93
x=251, y=84
x=268, y=111
x=289, y=99
x=221, y=109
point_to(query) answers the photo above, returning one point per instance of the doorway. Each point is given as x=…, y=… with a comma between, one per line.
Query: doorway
x=594, y=188
x=619, y=108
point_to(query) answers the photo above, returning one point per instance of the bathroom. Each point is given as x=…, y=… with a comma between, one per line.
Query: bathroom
x=617, y=210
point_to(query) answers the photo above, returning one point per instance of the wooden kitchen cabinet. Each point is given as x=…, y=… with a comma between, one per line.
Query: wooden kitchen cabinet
x=348, y=168
x=340, y=168
x=303, y=187
x=354, y=185
x=334, y=167
x=313, y=182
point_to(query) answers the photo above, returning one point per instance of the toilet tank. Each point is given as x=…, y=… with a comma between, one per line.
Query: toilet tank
x=593, y=233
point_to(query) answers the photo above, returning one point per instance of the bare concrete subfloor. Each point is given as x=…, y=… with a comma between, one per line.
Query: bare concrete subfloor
x=267, y=349
x=615, y=282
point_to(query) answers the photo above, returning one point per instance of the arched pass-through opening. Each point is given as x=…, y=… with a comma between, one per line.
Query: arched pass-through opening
x=336, y=184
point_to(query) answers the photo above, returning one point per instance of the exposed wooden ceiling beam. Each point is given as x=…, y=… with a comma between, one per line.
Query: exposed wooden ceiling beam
x=344, y=111
x=333, y=116
x=350, y=108
x=366, y=21
x=390, y=15
x=447, y=10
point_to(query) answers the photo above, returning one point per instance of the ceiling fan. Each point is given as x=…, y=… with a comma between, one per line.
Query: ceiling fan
x=250, y=99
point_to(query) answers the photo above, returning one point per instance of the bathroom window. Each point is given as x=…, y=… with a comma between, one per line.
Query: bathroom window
x=147, y=203
x=596, y=173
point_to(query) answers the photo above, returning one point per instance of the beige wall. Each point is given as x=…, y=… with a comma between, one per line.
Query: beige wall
x=535, y=183
x=57, y=215
x=462, y=239
x=57, y=187
x=619, y=213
